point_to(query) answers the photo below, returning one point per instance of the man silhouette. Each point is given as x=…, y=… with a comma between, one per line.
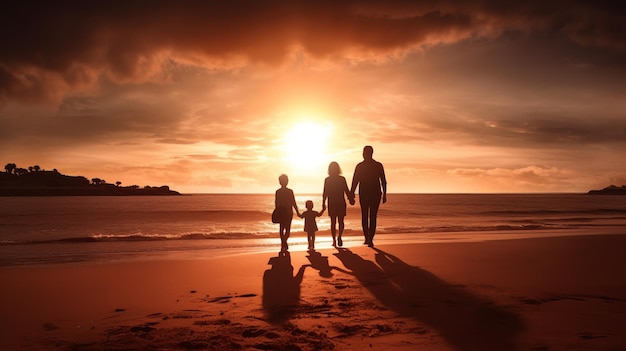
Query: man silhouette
x=369, y=175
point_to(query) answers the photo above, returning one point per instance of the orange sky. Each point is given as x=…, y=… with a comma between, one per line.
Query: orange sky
x=471, y=96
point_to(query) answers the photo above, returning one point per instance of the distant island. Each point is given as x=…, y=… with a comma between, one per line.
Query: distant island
x=34, y=181
x=610, y=190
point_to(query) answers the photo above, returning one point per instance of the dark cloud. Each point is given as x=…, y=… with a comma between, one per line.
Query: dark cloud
x=512, y=91
x=565, y=130
x=187, y=109
x=50, y=47
x=529, y=130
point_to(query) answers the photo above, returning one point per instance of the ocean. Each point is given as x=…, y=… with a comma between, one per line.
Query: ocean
x=41, y=230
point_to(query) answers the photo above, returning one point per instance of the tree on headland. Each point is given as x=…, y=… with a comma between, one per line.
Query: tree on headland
x=97, y=181
x=35, y=181
x=10, y=167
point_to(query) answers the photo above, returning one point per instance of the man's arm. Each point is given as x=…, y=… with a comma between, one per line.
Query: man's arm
x=383, y=182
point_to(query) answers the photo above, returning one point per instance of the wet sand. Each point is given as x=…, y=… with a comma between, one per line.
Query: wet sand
x=554, y=293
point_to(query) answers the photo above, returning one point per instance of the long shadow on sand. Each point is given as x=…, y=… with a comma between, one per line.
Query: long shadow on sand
x=281, y=289
x=320, y=263
x=467, y=322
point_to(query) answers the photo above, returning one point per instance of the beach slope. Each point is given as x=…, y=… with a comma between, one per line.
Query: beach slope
x=557, y=293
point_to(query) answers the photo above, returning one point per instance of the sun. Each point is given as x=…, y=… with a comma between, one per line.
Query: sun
x=305, y=145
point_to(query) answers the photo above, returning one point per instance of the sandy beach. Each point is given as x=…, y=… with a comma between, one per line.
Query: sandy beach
x=551, y=293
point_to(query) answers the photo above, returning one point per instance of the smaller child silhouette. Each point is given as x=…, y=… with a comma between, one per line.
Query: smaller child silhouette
x=310, y=226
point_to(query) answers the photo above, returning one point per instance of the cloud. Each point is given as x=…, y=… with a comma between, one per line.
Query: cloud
x=182, y=112
x=562, y=130
x=66, y=46
x=617, y=179
x=529, y=174
x=529, y=177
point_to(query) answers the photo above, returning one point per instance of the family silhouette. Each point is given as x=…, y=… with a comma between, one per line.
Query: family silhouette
x=369, y=178
x=466, y=321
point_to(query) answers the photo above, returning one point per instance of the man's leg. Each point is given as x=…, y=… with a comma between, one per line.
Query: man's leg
x=365, y=218
x=373, y=214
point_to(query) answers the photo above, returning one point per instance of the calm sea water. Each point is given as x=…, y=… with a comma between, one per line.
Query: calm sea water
x=69, y=229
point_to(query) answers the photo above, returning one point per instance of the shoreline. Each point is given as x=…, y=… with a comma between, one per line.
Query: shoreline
x=83, y=251
x=543, y=293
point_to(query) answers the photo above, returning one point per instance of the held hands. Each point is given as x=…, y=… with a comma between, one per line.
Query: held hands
x=351, y=198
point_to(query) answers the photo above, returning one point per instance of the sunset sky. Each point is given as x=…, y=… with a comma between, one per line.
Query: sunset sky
x=224, y=96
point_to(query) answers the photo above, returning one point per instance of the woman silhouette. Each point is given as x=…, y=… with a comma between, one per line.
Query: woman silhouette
x=335, y=187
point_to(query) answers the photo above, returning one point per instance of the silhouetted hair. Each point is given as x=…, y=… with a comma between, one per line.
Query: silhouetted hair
x=309, y=204
x=283, y=179
x=368, y=150
x=334, y=169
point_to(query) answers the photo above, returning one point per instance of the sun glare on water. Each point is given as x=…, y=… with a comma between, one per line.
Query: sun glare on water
x=306, y=144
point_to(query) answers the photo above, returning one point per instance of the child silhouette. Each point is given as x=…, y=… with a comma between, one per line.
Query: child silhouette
x=284, y=203
x=310, y=226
